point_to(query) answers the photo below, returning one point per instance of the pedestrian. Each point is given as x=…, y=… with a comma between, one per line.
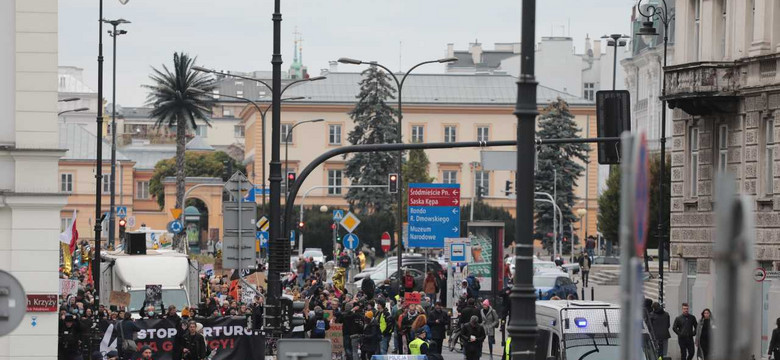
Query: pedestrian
x=467, y=312
x=194, y=343
x=704, y=334
x=438, y=321
x=371, y=337
x=70, y=334
x=490, y=320
x=146, y=353
x=127, y=328
x=408, y=282
x=419, y=346
x=685, y=328
x=385, y=322
x=369, y=287
x=361, y=260
x=430, y=287
x=318, y=324
x=659, y=320
x=112, y=355
x=774, y=343
x=585, y=264
x=472, y=334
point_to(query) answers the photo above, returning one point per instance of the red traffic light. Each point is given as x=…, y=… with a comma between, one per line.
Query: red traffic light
x=333, y=226
x=291, y=176
x=393, y=177
x=122, y=222
x=300, y=225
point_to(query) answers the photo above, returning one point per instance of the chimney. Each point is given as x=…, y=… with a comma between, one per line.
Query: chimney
x=597, y=48
x=450, y=50
x=333, y=66
x=475, y=49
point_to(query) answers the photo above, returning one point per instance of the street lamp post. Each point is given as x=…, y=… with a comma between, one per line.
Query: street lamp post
x=616, y=41
x=73, y=110
x=581, y=213
x=399, y=86
x=647, y=32
x=262, y=113
x=112, y=179
x=287, y=143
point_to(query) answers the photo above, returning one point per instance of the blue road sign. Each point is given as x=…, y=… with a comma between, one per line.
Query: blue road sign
x=338, y=215
x=121, y=211
x=263, y=237
x=292, y=238
x=259, y=190
x=351, y=241
x=457, y=252
x=434, y=214
x=250, y=196
x=175, y=227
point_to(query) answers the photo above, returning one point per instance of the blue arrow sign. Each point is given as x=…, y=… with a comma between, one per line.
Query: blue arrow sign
x=351, y=241
x=175, y=227
x=121, y=211
x=263, y=237
x=429, y=225
x=338, y=215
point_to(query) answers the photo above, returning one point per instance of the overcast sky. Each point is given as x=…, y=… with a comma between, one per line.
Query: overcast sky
x=237, y=34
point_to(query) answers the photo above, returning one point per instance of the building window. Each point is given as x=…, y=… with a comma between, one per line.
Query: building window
x=693, y=163
x=201, y=130
x=215, y=93
x=449, y=133
x=691, y=268
x=723, y=147
x=482, y=182
x=335, y=178
x=238, y=131
x=142, y=190
x=589, y=91
x=696, y=28
x=106, y=184
x=240, y=93
x=287, y=136
x=334, y=134
x=65, y=223
x=226, y=112
x=418, y=133
x=449, y=176
x=483, y=133
x=723, y=26
x=769, y=156
x=66, y=182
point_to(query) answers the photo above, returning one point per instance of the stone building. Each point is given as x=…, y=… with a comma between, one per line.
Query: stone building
x=723, y=89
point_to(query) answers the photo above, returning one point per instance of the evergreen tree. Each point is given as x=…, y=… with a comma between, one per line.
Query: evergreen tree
x=375, y=123
x=557, y=122
x=609, y=207
x=416, y=171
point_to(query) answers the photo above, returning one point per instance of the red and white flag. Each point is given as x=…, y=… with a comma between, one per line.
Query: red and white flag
x=70, y=236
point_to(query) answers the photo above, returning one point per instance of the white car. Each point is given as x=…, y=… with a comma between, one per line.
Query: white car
x=544, y=266
x=316, y=254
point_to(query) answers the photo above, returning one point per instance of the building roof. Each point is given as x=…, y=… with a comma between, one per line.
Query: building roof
x=81, y=143
x=426, y=89
x=490, y=59
x=198, y=143
x=147, y=156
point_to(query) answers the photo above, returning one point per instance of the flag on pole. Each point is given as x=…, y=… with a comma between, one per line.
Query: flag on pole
x=70, y=236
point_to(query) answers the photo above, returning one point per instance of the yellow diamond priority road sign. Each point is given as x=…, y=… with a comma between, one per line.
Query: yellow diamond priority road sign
x=350, y=222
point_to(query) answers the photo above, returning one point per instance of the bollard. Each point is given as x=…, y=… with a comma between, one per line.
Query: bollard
x=583, y=294
x=592, y=294
x=540, y=294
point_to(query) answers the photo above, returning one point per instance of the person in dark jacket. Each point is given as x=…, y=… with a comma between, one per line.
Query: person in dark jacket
x=704, y=334
x=69, y=338
x=194, y=343
x=774, y=342
x=473, y=335
x=369, y=343
x=318, y=324
x=659, y=319
x=438, y=322
x=126, y=330
x=585, y=265
x=369, y=287
x=685, y=328
x=467, y=312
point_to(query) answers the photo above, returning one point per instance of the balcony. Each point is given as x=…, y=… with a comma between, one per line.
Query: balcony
x=702, y=88
x=148, y=138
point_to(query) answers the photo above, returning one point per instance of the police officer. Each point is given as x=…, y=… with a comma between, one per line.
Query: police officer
x=419, y=346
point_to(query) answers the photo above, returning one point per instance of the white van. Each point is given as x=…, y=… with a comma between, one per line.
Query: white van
x=582, y=330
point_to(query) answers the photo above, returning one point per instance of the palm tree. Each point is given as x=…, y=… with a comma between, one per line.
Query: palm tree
x=179, y=98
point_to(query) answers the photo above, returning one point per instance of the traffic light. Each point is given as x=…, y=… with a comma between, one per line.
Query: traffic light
x=480, y=192
x=122, y=225
x=301, y=225
x=392, y=183
x=287, y=311
x=508, y=188
x=290, y=180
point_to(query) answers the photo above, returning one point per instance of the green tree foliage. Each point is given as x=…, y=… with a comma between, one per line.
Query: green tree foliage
x=211, y=164
x=609, y=207
x=375, y=123
x=416, y=171
x=318, y=233
x=179, y=98
x=655, y=167
x=557, y=122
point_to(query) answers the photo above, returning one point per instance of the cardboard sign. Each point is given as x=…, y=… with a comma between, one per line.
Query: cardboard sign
x=154, y=295
x=69, y=287
x=412, y=298
x=119, y=298
x=41, y=303
x=336, y=336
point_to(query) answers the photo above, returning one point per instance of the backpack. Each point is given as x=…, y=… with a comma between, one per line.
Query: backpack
x=319, y=328
x=474, y=283
x=408, y=282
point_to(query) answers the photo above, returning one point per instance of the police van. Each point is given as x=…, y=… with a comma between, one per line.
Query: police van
x=582, y=330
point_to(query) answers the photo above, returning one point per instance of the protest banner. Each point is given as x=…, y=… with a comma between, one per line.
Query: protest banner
x=69, y=287
x=412, y=298
x=119, y=298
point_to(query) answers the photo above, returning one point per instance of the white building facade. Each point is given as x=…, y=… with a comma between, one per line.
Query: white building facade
x=30, y=201
x=723, y=89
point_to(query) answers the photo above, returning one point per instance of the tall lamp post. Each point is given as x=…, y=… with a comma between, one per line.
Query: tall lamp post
x=648, y=32
x=73, y=110
x=399, y=86
x=262, y=113
x=616, y=41
x=112, y=179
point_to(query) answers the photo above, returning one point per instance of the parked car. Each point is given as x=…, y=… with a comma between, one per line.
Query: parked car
x=316, y=254
x=571, y=268
x=551, y=284
x=416, y=262
x=544, y=266
x=380, y=276
x=606, y=260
